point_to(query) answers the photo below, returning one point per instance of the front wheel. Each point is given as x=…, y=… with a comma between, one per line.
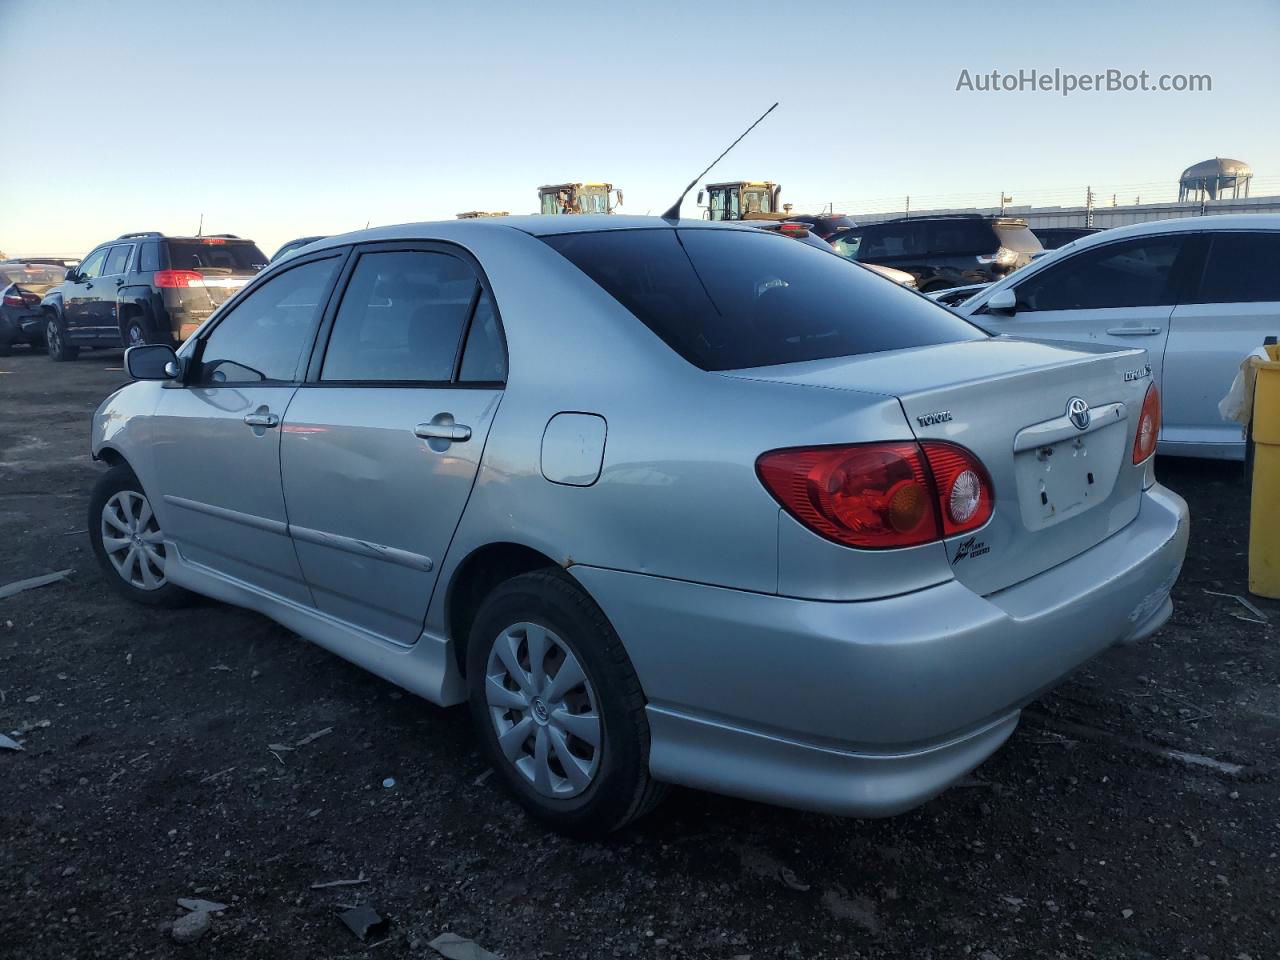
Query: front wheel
x=128, y=542
x=558, y=706
x=55, y=339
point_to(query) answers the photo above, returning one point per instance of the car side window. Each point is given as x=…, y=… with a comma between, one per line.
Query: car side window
x=1241, y=268
x=117, y=260
x=1132, y=273
x=401, y=318
x=484, y=359
x=892, y=240
x=847, y=245
x=149, y=258
x=263, y=338
x=91, y=268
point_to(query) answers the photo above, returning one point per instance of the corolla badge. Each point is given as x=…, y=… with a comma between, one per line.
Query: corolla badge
x=1078, y=412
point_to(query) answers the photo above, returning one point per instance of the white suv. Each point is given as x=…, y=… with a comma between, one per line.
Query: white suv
x=1199, y=293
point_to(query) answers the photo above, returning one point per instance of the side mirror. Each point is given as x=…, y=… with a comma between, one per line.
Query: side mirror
x=1003, y=301
x=152, y=361
x=72, y=275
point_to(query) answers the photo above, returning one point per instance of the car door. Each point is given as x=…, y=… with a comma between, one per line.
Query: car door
x=1229, y=313
x=1119, y=293
x=381, y=445
x=78, y=296
x=104, y=312
x=216, y=435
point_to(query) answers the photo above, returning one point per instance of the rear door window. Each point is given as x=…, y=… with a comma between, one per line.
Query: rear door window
x=262, y=339
x=890, y=240
x=1133, y=273
x=729, y=299
x=1241, y=268
x=484, y=360
x=117, y=260
x=401, y=318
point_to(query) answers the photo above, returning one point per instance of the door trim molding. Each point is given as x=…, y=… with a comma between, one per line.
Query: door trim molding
x=235, y=516
x=362, y=548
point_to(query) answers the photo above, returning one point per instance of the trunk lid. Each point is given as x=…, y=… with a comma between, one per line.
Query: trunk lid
x=1059, y=488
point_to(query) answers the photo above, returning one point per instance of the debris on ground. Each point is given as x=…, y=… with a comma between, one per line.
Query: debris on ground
x=1240, y=600
x=18, y=586
x=453, y=947
x=191, y=927
x=313, y=737
x=8, y=743
x=389, y=783
x=365, y=922
x=482, y=778
x=340, y=883
x=201, y=906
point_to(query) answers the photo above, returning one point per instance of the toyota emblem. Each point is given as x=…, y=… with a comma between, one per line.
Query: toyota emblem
x=1078, y=412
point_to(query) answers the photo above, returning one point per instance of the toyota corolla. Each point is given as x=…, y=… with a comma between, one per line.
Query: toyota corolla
x=667, y=502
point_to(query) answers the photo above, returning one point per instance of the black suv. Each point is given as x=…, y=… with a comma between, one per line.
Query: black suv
x=943, y=251
x=145, y=288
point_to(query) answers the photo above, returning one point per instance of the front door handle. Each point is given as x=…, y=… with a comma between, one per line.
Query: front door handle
x=1133, y=331
x=262, y=419
x=453, y=432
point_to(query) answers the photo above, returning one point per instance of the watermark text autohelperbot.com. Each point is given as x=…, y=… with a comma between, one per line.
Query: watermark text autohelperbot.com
x=1065, y=83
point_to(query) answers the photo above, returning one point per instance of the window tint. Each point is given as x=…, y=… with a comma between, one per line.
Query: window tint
x=892, y=240
x=725, y=299
x=956, y=238
x=149, y=258
x=216, y=255
x=263, y=338
x=847, y=244
x=92, y=266
x=1242, y=268
x=117, y=259
x=485, y=356
x=401, y=318
x=1134, y=273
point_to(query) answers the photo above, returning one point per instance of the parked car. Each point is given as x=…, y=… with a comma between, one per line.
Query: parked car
x=804, y=233
x=145, y=288
x=943, y=251
x=953, y=296
x=1051, y=238
x=624, y=513
x=1199, y=293
x=22, y=284
x=293, y=245
x=824, y=225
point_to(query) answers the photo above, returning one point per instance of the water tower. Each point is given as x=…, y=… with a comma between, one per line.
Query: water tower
x=1214, y=179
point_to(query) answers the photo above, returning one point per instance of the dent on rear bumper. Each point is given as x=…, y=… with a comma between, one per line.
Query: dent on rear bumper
x=869, y=708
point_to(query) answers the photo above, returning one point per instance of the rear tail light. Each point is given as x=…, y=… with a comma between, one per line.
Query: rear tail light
x=1144, y=443
x=794, y=229
x=177, y=278
x=881, y=495
x=20, y=298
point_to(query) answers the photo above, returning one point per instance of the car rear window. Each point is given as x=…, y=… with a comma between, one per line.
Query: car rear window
x=31, y=274
x=1018, y=237
x=955, y=238
x=729, y=299
x=215, y=255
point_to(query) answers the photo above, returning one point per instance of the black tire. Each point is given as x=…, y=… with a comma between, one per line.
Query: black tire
x=621, y=789
x=120, y=480
x=55, y=339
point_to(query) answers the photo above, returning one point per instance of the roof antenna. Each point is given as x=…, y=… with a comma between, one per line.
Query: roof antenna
x=200, y=229
x=674, y=212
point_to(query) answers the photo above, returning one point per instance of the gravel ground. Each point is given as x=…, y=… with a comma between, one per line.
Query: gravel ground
x=147, y=777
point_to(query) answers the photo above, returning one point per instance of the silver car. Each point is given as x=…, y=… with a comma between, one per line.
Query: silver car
x=666, y=502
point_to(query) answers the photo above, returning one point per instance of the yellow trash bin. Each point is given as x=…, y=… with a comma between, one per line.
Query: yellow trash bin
x=1264, y=510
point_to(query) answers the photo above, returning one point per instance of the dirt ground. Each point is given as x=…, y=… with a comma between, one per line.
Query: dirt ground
x=147, y=777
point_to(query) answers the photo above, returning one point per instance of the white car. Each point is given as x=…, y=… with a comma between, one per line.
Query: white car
x=1199, y=293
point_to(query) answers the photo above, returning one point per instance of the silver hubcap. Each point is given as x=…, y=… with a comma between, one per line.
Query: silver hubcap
x=132, y=540
x=52, y=335
x=135, y=335
x=543, y=710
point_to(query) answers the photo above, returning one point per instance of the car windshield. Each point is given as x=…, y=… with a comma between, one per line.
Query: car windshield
x=31, y=274
x=216, y=255
x=729, y=299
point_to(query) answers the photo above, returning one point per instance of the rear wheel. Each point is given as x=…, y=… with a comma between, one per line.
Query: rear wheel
x=128, y=542
x=55, y=339
x=134, y=333
x=558, y=706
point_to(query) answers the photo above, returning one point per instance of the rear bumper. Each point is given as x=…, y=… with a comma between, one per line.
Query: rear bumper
x=871, y=708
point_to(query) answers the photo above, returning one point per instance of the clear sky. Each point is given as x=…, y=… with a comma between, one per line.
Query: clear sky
x=279, y=119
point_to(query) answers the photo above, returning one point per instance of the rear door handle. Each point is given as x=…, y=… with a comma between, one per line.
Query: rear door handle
x=262, y=419
x=1133, y=331
x=454, y=432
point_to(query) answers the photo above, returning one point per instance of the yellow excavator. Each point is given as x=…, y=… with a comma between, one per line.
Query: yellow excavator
x=578, y=198
x=743, y=200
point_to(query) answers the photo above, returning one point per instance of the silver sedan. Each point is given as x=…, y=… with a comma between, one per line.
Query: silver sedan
x=664, y=501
